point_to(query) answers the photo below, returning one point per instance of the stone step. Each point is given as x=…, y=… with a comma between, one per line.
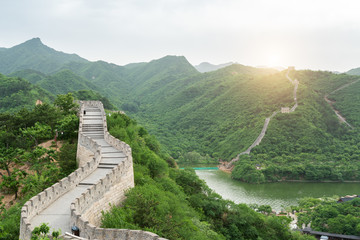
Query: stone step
x=104, y=164
x=88, y=125
x=92, y=114
x=92, y=129
x=106, y=167
x=96, y=136
x=92, y=118
x=86, y=184
x=94, y=133
x=113, y=154
x=92, y=109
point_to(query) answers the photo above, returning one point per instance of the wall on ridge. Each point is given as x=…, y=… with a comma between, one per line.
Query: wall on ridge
x=88, y=207
x=42, y=200
x=84, y=153
x=86, y=210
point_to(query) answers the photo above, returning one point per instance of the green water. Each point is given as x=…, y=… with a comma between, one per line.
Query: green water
x=277, y=195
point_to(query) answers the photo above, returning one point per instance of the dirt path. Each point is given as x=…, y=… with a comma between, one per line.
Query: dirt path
x=331, y=103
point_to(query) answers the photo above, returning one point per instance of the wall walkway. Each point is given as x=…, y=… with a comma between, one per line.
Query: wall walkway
x=105, y=172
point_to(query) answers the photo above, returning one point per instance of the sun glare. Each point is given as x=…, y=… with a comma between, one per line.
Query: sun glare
x=273, y=60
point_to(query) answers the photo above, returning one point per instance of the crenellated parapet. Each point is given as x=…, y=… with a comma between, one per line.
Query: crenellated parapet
x=104, y=175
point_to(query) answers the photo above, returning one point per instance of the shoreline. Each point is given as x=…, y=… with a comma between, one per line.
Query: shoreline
x=222, y=167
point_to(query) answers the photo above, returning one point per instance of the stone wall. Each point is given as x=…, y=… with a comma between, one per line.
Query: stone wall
x=87, y=147
x=86, y=210
x=42, y=200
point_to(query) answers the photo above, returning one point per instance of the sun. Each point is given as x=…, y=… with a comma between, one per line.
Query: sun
x=273, y=60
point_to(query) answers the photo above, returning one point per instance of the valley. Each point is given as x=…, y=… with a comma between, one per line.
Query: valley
x=219, y=114
x=285, y=125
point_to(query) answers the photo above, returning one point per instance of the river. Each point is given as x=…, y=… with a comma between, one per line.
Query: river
x=278, y=195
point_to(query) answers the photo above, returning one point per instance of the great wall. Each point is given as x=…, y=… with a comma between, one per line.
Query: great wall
x=105, y=172
x=295, y=82
x=266, y=124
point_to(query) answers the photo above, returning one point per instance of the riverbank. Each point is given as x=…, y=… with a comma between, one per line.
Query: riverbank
x=223, y=168
x=279, y=195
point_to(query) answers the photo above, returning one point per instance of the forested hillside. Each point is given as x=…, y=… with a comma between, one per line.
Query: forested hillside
x=61, y=82
x=173, y=203
x=26, y=168
x=17, y=93
x=176, y=204
x=348, y=100
x=33, y=54
x=219, y=114
x=309, y=144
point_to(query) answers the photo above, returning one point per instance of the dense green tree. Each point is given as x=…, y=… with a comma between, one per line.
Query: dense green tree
x=66, y=103
x=37, y=132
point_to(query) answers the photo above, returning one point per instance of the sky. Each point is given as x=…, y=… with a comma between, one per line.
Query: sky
x=307, y=34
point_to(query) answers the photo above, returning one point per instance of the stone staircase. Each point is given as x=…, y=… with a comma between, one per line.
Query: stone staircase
x=105, y=173
x=57, y=215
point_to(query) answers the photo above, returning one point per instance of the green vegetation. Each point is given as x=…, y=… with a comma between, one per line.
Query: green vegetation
x=26, y=168
x=61, y=82
x=354, y=71
x=17, y=93
x=346, y=100
x=41, y=233
x=329, y=216
x=309, y=144
x=216, y=115
x=92, y=95
x=176, y=204
x=33, y=54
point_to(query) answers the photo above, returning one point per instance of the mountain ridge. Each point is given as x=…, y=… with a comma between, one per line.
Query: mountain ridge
x=208, y=67
x=220, y=113
x=33, y=54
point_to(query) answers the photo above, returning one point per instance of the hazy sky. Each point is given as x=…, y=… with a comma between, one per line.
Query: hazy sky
x=314, y=34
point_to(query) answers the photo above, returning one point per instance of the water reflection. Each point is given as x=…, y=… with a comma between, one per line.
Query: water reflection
x=277, y=195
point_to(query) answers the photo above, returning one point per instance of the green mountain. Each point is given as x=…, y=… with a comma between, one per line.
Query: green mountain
x=310, y=143
x=92, y=95
x=134, y=65
x=65, y=81
x=154, y=75
x=33, y=54
x=32, y=76
x=208, y=67
x=354, y=71
x=347, y=100
x=221, y=113
x=203, y=112
x=61, y=82
x=17, y=93
x=109, y=79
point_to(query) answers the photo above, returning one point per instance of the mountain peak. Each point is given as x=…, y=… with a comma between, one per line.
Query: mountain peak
x=35, y=55
x=34, y=42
